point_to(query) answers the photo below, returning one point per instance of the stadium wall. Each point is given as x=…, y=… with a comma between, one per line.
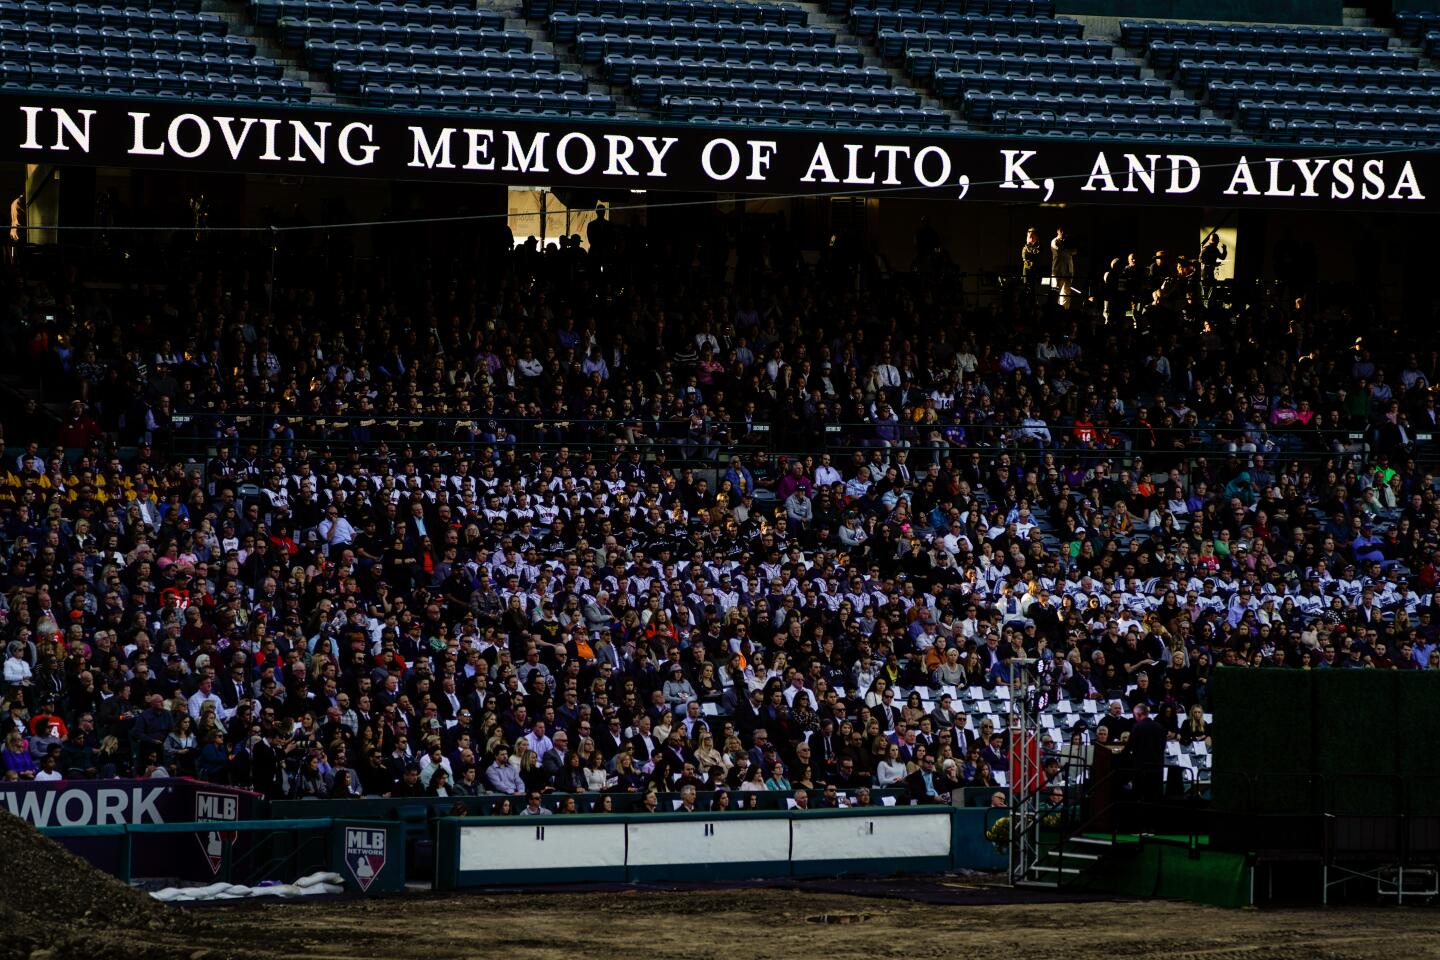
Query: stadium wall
x=474, y=852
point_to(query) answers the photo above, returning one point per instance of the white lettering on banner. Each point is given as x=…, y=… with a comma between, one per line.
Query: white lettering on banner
x=181, y=132
x=524, y=161
x=920, y=157
x=479, y=157
x=1342, y=170
x=1178, y=162
x=761, y=152
x=1373, y=174
x=216, y=806
x=1407, y=182
x=65, y=808
x=1017, y=179
x=202, y=142
x=563, y=154
x=110, y=806
x=367, y=149
x=137, y=142
x=707, y=159
x=575, y=153
x=891, y=155
x=75, y=807
x=64, y=123
x=228, y=134
x=1142, y=175
x=820, y=163
x=852, y=174
x=1310, y=173
x=32, y=131
x=931, y=166
x=315, y=143
x=620, y=149
x=432, y=155
x=657, y=157
x=177, y=136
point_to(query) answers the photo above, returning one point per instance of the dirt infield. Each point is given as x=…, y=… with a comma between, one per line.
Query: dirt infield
x=735, y=923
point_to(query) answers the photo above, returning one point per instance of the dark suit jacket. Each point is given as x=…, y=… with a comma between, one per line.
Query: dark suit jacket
x=915, y=783
x=1145, y=750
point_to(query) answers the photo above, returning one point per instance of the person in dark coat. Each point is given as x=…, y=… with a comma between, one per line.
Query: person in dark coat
x=929, y=785
x=267, y=765
x=1144, y=756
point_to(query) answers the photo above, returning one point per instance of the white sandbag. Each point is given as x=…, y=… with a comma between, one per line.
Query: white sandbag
x=321, y=888
x=207, y=891
x=321, y=877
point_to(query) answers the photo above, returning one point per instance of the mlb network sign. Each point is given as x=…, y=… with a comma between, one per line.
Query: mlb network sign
x=333, y=142
x=365, y=854
x=86, y=803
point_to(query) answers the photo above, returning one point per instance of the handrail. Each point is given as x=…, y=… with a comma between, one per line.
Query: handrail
x=1091, y=817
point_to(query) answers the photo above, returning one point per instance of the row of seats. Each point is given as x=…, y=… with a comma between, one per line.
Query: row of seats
x=922, y=64
x=322, y=54
x=779, y=14
x=771, y=123
x=1130, y=128
x=489, y=101
x=295, y=33
x=110, y=16
x=1255, y=115
x=138, y=80
x=597, y=49
x=353, y=77
x=160, y=41
x=894, y=44
x=51, y=9
x=131, y=59
x=1411, y=25
x=982, y=107
x=1199, y=74
x=425, y=15
x=565, y=29
x=868, y=22
x=1043, y=9
x=1140, y=34
x=268, y=12
x=1224, y=96
x=621, y=70
x=831, y=115
x=1166, y=56
x=85, y=89
x=1432, y=45
x=649, y=92
x=952, y=83
x=1367, y=134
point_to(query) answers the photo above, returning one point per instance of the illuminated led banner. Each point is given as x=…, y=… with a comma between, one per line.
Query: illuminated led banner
x=171, y=134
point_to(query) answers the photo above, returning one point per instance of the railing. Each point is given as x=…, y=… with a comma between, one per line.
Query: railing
x=1083, y=814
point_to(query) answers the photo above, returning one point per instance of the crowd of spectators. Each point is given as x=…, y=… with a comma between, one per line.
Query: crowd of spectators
x=665, y=516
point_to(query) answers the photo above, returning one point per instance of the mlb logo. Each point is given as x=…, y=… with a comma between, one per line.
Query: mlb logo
x=215, y=806
x=364, y=854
